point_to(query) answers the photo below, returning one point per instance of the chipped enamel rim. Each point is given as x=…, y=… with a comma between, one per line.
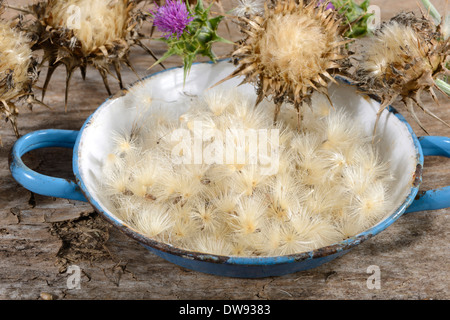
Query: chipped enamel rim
x=249, y=261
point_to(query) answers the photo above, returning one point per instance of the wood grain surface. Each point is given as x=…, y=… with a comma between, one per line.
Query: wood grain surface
x=41, y=237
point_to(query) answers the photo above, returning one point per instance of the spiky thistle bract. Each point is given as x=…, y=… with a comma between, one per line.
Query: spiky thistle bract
x=407, y=56
x=81, y=33
x=18, y=73
x=289, y=52
x=195, y=39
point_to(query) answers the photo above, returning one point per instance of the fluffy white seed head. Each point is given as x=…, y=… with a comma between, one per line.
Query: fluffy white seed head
x=291, y=241
x=285, y=197
x=248, y=217
x=319, y=231
x=247, y=8
x=124, y=144
x=248, y=180
x=218, y=101
x=224, y=201
x=153, y=221
x=184, y=228
x=210, y=243
x=369, y=206
x=341, y=132
x=205, y=215
x=175, y=186
x=116, y=183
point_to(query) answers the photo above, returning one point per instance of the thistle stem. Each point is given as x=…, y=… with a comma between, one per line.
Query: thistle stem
x=17, y=9
x=446, y=28
x=432, y=11
x=444, y=86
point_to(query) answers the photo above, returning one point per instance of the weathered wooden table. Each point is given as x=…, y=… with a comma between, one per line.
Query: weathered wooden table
x=43, y=241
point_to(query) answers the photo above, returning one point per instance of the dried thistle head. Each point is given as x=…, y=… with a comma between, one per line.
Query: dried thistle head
x=290, y=51
x=17, y=72
x=81, y=33
x=404, y=58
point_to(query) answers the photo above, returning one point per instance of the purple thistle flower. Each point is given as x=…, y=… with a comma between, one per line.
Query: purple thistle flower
x=330, y=5
x=172, y=18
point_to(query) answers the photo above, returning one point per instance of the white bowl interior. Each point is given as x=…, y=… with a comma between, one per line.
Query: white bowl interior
x=395, y=142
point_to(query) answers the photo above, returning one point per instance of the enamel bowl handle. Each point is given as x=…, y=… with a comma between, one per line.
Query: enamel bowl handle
x=39, y=183
x=439, y=198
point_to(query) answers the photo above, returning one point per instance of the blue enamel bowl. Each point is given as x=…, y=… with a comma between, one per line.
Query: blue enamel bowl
x=92, y=143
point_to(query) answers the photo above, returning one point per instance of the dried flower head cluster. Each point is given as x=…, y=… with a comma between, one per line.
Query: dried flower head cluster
x=17, y=72
x=330, y=183
x=290, y=51
x=82, y=33
x=403, y=59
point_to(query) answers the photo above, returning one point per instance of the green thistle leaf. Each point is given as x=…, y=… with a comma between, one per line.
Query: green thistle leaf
x=197, y=39
x=432, y=10
x=355, y=15
x=214, y=22
x=172, y=51
x=188, y=60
